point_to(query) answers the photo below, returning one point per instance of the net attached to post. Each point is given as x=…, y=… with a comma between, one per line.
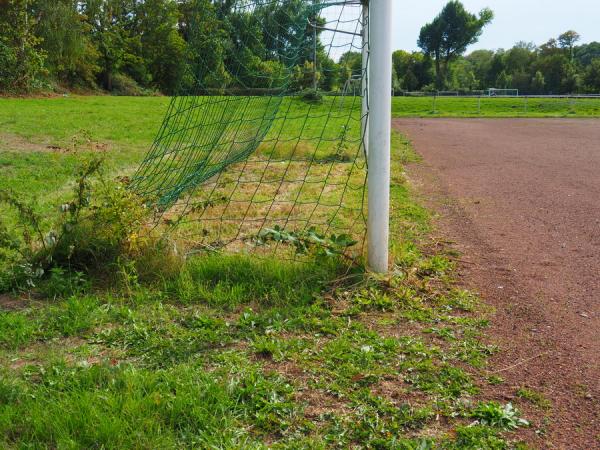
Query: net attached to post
x=267, y=142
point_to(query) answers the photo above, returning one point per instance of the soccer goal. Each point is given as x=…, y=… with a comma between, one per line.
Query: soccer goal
x=284, y=139
x=493, y=92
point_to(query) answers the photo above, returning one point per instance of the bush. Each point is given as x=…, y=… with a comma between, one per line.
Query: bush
x=21, y=59
x=126, y=86
x=104, y=227
x=10, y=259
x=311, y=96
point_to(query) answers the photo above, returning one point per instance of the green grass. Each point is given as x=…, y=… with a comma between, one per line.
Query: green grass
x=38, y=136
x=28, y=127
x=536, y=398
x=128, y=125
x=236, y=351
x=251, y=362
x=494, y=107
x=124, y=121
x=132, y=122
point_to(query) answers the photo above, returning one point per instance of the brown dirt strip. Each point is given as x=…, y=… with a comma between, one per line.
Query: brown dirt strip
x=521, y=200
x=15, y=143
x=18, y=144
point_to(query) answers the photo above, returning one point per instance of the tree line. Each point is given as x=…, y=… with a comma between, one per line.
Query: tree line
x=551, y=68
x=559, y=66
x=139, y=47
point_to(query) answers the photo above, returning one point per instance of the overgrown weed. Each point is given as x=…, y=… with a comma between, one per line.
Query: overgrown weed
x=103, y=229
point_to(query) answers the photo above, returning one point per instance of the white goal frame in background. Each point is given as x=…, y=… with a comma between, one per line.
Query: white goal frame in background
x=494, y=92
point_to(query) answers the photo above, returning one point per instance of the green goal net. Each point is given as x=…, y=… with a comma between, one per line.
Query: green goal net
x=264, y=143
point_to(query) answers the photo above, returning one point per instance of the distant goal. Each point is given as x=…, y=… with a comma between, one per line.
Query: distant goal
x=494, y=92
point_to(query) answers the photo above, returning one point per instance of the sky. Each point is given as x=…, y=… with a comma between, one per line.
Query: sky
x=515, y=20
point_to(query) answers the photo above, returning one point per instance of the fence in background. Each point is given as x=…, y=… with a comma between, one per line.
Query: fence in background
x=507, y=105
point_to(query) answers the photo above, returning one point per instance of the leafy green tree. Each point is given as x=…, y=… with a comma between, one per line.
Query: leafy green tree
x=163, y=49
x=504, y=80
x=497, y=66
x=449, y=35
x=207, y=45
x=65, y=38
x=305, y=76
x=396, y=86
x=402, y=64
x=413, y=70
x=571, y=80
x=352, y=61
x=567, y=41
x=349, y=66
x=538, y=83
x=21, y=58
x=550, y=48
x=463, y=76
x=518, y=62
x=108, y=21
x=560, y=71
x=519, y=58
x=585, y=54
x=553, y=66
x=481, y=64
x=331, y=74
x=592, y=76
x=288, y=31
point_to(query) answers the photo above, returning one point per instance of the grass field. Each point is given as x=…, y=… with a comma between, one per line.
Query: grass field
x=232, y=351
x=494, y=107
x=30, y=129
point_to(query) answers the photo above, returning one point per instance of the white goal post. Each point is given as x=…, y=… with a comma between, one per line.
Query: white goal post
x=379, y=88
x=494, y=92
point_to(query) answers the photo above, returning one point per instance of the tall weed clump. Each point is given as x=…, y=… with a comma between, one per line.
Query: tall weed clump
x=101, y=231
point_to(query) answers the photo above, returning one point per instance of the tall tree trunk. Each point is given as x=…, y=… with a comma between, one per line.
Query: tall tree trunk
x=26, y=30
x=108, y=80
x=438, y=70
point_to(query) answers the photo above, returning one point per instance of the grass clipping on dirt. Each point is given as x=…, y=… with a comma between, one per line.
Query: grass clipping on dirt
x=236, y=352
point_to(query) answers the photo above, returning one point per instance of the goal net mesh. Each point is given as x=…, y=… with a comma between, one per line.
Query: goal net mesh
x=267, y=141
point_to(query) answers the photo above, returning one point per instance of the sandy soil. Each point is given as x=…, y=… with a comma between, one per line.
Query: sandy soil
x=521, y=201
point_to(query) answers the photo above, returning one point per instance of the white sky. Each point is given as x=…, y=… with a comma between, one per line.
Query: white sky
x=515, y=20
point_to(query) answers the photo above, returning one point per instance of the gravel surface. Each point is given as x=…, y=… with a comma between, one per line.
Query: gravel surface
x=520, y=199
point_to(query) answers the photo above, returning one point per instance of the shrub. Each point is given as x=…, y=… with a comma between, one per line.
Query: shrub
x=102, y=228
x=313, y=96
x=21, y=59
x=127, y=86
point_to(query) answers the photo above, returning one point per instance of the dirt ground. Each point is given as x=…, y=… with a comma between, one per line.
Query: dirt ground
x=520, y=199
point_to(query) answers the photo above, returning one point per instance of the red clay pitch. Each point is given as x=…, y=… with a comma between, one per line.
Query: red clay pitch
x=521, y=200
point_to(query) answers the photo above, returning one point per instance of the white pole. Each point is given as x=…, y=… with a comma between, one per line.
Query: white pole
x=380, y=118
x=315, y=80
x=365, y=77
